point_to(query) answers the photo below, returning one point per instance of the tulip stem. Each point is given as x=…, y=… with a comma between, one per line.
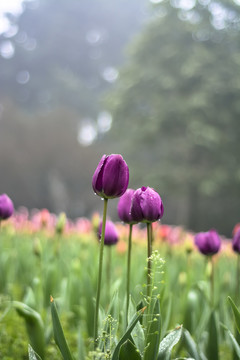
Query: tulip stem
x=100, y=265
x=238, y=277
x=108, y=269
x=212, y=279
x=128, y=270
x=149, y=266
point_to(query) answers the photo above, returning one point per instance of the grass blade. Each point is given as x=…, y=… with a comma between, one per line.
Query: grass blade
x=235, y=312
x=58, y=333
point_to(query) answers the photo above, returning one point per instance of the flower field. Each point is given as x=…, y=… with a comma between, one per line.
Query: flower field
x=36, y=262
x=135, y=289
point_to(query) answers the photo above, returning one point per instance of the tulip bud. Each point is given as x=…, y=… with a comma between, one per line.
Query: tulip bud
x=6, y=207
x=236, y=242
x=111, y=177
x=37, y=248
x=61, y=222
x=146, y=205
x=111, y=235
x=208, y=243
x=124, y=207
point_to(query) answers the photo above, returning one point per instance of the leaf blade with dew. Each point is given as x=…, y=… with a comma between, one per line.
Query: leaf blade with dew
x=153, y=333
x=168, y=343
x=127, y=334
x=32, y=355
x=236, y=313
x=34, y=326
x=58, y=333
x=129, y=351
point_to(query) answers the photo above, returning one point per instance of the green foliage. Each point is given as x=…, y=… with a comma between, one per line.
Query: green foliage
x=34, y=325
x=178, y=96
x=168, y=343
x=58, y=333
x=236, y=313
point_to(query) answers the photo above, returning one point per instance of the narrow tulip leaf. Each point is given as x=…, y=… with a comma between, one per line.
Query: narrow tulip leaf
x=129, y=351
x=58, y=333
x=168, y=343
x=212, y=345
x=190, y=345
x=153, y=333
x=32, y=355
x=127, y=334
x=137, y=334
x=167, y=316
x=191, y=309
x=184, y=358
x=235, y=312
x=234, y=342
x=34, y=326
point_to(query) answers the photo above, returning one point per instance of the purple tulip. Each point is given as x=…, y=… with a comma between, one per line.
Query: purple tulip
x=208, y=243
x=236, y=242
x=146, y=205
x=6, y=207
x=124, y=207
x=111, y=235
x=111, y=177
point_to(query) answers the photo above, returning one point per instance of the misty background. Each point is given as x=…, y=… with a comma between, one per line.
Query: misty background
x=157, y=81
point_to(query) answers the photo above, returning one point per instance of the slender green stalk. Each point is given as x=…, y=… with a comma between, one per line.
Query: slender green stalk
x=108, y=269
x=211, y=280
x=128, y=270
x=100, y=265
x=237, y=278
x=149, y=267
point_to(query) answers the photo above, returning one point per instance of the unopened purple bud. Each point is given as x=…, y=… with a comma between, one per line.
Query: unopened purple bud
x=111, y=235
x=236, y=242
x=208, y=243
x=124, y=207
x=146, y=205
x=6, y=207
x=111, y=177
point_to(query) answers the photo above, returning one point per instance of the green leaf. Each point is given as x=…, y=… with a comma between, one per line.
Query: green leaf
x=113, y=312
x=168, y=343
x=129, y=351
x=191, y=307
x=153, y=333
x=190, y=345
x=234, y=342
x=34, y=326
x=167, y=315
x=137, y=334
x=127, y=334
x=32, y=355
x=235, y=312
x=212, y=345
x=58, y=333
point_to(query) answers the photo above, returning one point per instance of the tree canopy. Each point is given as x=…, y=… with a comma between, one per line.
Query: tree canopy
x=176, y=109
